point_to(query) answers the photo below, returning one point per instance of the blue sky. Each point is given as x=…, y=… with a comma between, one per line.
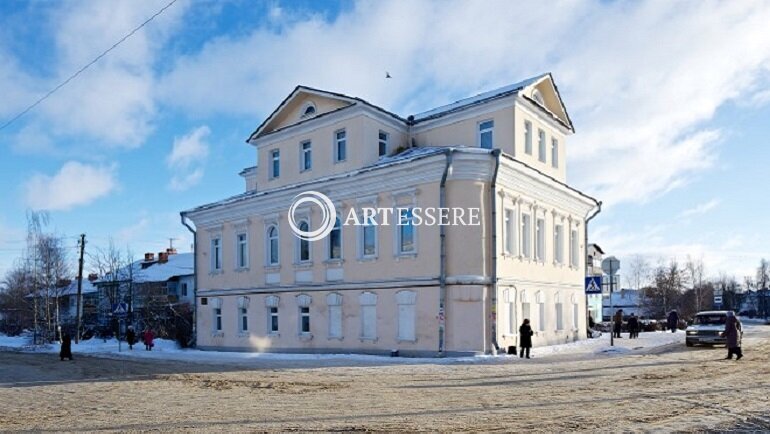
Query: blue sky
x=671, y=102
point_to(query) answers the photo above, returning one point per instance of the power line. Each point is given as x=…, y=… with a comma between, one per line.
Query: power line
x=79, y=71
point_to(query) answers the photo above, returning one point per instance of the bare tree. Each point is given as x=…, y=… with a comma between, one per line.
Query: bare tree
x=639, y=271
x=763, y=274
x=695, y=273
x=113, y=268
x=666, y=291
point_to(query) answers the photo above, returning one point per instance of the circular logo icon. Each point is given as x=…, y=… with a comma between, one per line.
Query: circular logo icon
x=328, y=215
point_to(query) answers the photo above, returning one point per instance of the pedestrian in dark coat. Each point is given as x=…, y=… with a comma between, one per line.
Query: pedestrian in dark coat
x=66, y=347
x=733, y=332
x=618, y=320
x=149, y=336
x=130, y=337
x=673, y=321
x=633, y=326
x=525, y=338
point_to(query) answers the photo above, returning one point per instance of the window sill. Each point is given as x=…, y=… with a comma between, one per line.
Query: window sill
x=406, y=341
x=244, y=334
x=334, y=262
x=304, y=265
x=332, y=338
x=273, y=335
x=367, y=259
x=399, y=256
x=305, y=337
x=241, y=269
x=371, y=340
x=215, y=272
x=272, y=268
x=217, y=334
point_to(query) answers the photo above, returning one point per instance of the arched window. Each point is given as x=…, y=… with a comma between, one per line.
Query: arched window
x=335, y=240
x=273, y=257
x=308, y=109
x=303, y=245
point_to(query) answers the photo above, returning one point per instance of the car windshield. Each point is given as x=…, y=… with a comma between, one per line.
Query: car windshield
x=710, y=319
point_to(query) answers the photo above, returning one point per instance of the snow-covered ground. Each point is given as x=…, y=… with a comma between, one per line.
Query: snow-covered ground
x=168, y=350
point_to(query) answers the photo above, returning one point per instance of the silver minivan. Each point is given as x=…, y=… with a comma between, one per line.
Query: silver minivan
x=707, y=328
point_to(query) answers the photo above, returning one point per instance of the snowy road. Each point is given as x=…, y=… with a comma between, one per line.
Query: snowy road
x=663, y=387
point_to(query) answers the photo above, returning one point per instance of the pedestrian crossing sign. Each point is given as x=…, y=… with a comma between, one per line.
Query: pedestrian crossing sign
x=594, y=285
x=120, y=309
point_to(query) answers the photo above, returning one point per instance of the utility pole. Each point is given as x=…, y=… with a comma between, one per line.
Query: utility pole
x=80, y=288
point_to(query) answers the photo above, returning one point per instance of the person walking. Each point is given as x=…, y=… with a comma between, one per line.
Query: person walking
x=733, y=332
x=633, y=326
x=66, y=347
x=525, y=338
x=673, y=321
x=149, y=336
x=618, y=320
x=130, y=337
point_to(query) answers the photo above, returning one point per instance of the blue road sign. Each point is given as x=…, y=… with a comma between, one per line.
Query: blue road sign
x=594, y=285
x=120, y=309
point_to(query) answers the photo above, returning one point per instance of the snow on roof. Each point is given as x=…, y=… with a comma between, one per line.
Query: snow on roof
x=180, y=264
x=71, y=289
x=482, y=97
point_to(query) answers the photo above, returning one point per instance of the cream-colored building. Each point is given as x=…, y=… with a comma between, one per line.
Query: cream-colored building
x=384, y=287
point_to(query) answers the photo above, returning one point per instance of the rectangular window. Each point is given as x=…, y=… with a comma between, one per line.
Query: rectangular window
x=510, y=231
x=512, y=317
x=340, y=146
x=275, y=166
x=244, y=322
x=541, y=145
x=573, y=248
x=241, y=251
x=369, y=238
x=528, y=137
x=559, y=316
x=541, y=319
x=216, y=254
x=184, y=289
x=306, y=156
x=304, y=320
x=217, y=319
x=335, y=321
x=540, y=237
x=575, y=316
x=406, y=330
x=525, y=314
x=369, y=321
x=554, y=152
x=405, y=231
x=382, y=148
x=526, y=236
x=486, y=130
x=272, y=320
x=558, y=244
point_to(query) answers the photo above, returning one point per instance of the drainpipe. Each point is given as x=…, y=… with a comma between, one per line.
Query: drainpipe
x=493, y=226
x=442, y=261
x=585, y=250
x=195, y=279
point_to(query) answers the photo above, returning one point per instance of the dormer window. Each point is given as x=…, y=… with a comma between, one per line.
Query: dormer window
x=308, y=109
x=538, y=97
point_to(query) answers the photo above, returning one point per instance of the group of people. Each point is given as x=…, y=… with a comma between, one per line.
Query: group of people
x=65, y=352
x=633, y=325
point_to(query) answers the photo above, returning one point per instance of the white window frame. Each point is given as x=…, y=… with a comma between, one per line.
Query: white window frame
x=575, y=313
x=216, y=254
x=241, y=251
x=344, y=145
x=482, y=129
x=337, y=227
x=509, y=231
x=268, y=246
x=528, y=137
x=526, y=235
x=541, y=145
x=540, y=299
x=243, y=314
x=383, y=143
x=298, y=242
x=559, y=308
x=216, y=315
x=554, y=152
x=334, y=303
x=558, y=244
x=305, y=156
x=362, y=238
x=399, y=233
x=406, y=302
x=574, y=249
x=509, y=298
x=540, y=239
x=275, y=163
x=368, y=303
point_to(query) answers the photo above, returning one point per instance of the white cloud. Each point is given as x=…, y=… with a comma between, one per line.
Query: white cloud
x=187, y=158
x=700, y=209
x=75, y=184
x=639, y=79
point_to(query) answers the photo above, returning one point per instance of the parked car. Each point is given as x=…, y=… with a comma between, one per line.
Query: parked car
x=707, y=328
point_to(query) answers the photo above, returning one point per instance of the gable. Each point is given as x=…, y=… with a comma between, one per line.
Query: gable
x=549, y=99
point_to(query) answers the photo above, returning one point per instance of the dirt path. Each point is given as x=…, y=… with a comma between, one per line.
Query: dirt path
x=673, y=389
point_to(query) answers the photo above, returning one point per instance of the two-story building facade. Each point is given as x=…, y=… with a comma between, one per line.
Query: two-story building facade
x=415, y=287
